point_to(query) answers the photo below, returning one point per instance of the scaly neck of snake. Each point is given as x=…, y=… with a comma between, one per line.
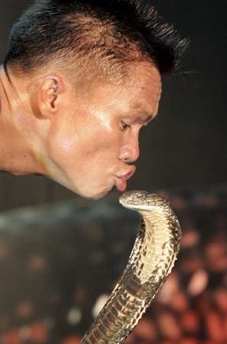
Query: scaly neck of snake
x=154, y=244
x=148, y=265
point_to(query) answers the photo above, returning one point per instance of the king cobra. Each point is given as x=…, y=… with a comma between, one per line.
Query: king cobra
x=151, y=261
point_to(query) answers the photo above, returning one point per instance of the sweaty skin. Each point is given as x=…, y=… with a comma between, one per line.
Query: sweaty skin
x=86, y=141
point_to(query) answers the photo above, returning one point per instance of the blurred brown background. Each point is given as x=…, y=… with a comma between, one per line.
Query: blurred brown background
x=59, y=262
x=187, y=143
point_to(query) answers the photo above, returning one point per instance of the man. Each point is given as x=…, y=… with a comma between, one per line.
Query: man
x=79, y=81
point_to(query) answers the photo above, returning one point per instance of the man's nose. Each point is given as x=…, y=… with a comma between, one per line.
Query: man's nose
x=130, y=151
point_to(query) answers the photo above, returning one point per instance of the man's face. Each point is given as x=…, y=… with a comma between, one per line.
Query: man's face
x=95, y=141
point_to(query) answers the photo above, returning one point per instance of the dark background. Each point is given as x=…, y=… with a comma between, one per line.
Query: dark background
x=187, y=143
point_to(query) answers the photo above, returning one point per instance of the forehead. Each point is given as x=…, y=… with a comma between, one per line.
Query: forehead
x=140, y=89
x=144, y=76
x=143, y=88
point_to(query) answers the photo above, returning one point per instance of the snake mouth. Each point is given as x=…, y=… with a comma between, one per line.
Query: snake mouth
x=134, y=199
x=141, y=201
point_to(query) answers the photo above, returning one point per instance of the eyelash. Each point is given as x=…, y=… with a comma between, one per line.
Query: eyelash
x=124, y=126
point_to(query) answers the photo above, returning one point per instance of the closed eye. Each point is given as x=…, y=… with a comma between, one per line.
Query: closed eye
x=124, y=126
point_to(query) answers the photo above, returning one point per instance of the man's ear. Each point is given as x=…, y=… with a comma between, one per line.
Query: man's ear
x=46, y=98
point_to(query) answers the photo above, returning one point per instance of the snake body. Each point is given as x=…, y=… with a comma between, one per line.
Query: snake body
x=151, y=261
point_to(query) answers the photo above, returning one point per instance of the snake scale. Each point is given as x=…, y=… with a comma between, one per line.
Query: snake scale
x=151, y=261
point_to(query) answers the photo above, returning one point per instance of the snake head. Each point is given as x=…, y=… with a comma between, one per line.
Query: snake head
x=139, y=200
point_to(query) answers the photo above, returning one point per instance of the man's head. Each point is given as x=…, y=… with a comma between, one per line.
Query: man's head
x=92, y=38
x=92, y=72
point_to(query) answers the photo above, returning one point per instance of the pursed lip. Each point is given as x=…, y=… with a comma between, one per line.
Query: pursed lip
x=121, y=178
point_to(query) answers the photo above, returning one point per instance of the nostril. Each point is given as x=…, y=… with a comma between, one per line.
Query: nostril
x=130, y=152
x=125, y=154
x=126, y=159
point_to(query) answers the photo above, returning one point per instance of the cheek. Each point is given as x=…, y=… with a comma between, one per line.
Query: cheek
x=100, y=141
x=61, y=142
x=84, y=142
x=66, y=145
x=98, y=148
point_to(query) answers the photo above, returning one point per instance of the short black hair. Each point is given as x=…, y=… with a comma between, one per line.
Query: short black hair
x=115, y=31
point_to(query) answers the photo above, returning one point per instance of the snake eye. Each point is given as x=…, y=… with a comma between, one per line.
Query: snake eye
x=141, y=196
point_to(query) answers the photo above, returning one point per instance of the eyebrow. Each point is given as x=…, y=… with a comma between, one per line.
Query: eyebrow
x=145, y=119
x=145, y=116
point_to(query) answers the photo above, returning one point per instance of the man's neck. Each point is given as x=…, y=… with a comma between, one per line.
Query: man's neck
x=17, y=153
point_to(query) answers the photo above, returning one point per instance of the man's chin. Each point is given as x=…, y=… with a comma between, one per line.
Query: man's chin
x=97, y=196
x=85, y=192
